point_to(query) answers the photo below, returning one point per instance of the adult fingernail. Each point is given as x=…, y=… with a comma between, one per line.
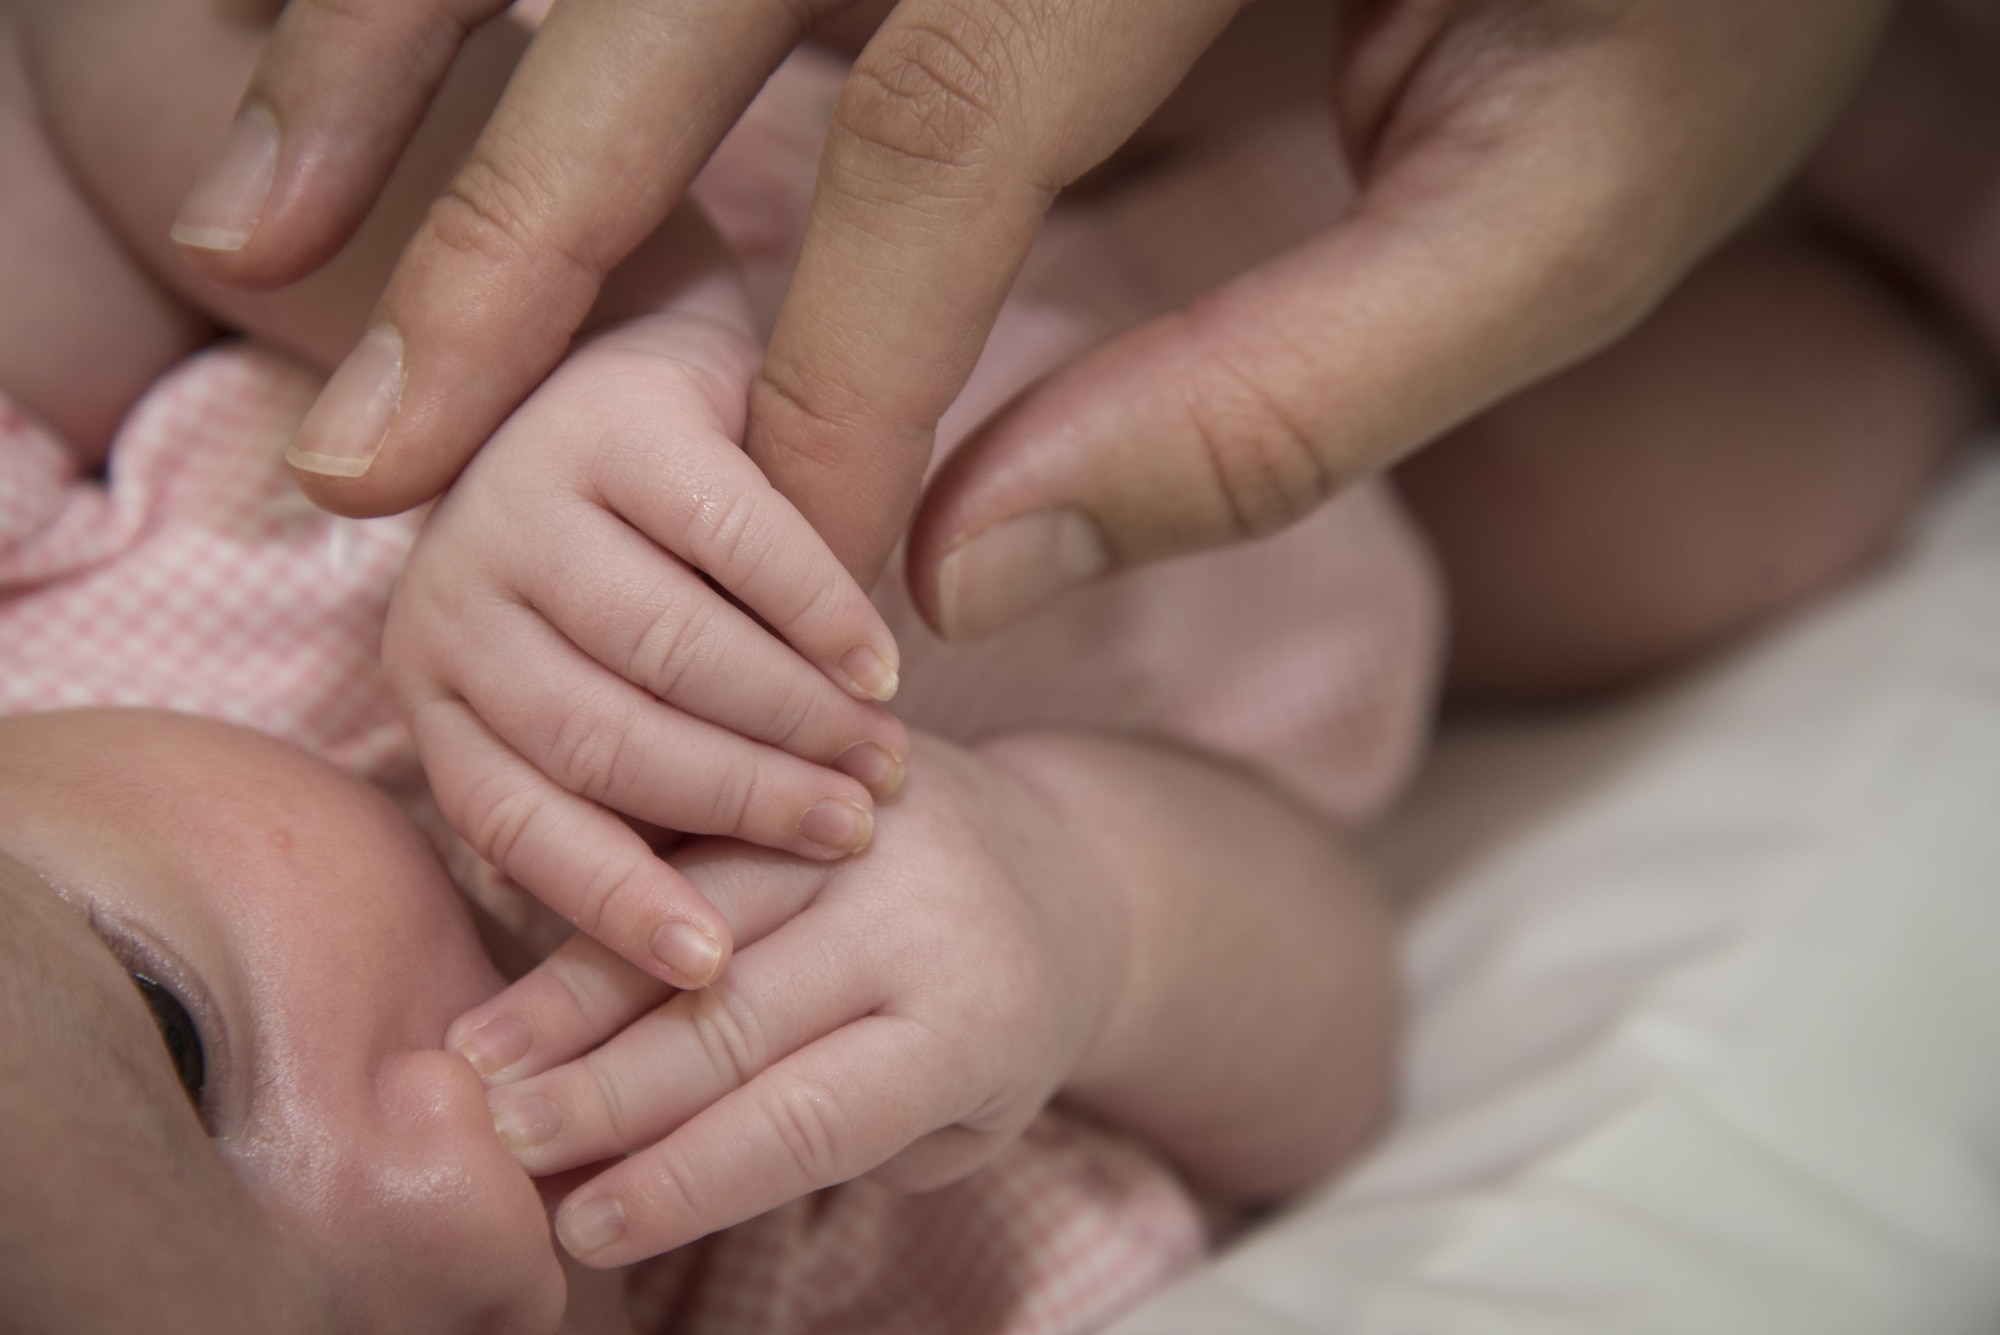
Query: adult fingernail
x=838, y=827
x=342, y=433
x=688, y=951
x=527, y=1123
x=870, y=673
x=228, y=201
x=1014, y=567
x=590, y=1226
x=496, y=1045
x=880, y=771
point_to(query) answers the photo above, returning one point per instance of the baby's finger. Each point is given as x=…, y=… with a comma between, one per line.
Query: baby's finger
x=698, y=1048
x=584, y=993
x=570, y=1000
x=573, y=855
x=604, y=739
x=822, y=1116
x=708, y=504
x=657, y=624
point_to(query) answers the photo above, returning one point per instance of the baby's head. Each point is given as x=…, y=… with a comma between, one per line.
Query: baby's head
x=266, y=1136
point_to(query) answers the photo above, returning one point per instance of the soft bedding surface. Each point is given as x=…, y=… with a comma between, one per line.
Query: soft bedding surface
x=1705, y=1032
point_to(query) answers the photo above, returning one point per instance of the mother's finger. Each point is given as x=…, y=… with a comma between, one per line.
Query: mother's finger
x=1524, y=209
x=957, y=126
x=615, y=106
x=338, y=91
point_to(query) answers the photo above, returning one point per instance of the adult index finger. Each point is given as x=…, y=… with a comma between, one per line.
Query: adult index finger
x=952, y=135
x=613, y=109
x=337, y=93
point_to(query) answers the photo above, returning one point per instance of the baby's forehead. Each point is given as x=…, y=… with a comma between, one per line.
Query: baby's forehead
x=153, y=800
x=115, y=1209
x=130, y=762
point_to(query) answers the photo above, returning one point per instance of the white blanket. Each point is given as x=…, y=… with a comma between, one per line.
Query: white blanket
x=1706, y=1023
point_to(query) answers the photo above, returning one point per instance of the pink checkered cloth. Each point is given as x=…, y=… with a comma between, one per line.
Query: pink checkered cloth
x=194, y=577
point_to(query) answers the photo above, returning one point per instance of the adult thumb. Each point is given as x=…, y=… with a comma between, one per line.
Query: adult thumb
x=1232, y=418
x=1525, y=207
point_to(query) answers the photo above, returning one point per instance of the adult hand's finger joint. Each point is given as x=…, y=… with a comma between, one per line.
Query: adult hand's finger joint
x=1269, y=470
x=927, y=100
x=496, y=211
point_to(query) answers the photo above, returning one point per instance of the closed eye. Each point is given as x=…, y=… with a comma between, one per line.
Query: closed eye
x=175, y=996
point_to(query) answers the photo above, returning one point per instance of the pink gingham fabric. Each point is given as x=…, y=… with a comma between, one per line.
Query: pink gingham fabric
x=1067, y=1229
x=193, y=576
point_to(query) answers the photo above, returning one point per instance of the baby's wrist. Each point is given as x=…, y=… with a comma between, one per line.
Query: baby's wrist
x=1067, y=860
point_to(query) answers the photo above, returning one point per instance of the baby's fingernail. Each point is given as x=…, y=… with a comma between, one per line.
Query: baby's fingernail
x=342, y=433
x=527, y=1123
x=1014, y=567
x=590, y=1226
x=496, y=1045
x=687, y=951
x=880, y=771
x=870, y=672
x=838, y=827
x=227, y=203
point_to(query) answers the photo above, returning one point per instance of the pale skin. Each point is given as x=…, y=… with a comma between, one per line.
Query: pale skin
x=336, y=1151
x=1095, y=879
x=933, y=1128
x=343, y=1159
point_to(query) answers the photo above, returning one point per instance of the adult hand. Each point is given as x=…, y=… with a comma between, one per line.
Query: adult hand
x=1535, y=174
x=961, y=120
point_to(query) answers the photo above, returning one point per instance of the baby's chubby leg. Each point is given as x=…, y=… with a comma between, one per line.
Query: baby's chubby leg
x=1761, y=436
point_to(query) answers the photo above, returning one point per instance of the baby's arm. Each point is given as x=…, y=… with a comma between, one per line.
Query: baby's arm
x=1158, y=937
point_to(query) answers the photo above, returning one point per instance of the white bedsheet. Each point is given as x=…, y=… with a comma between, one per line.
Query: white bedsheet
x=1706, y=1023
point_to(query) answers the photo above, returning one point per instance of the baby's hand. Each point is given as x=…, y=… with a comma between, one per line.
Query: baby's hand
x=577, y=635
x=908, y=1010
